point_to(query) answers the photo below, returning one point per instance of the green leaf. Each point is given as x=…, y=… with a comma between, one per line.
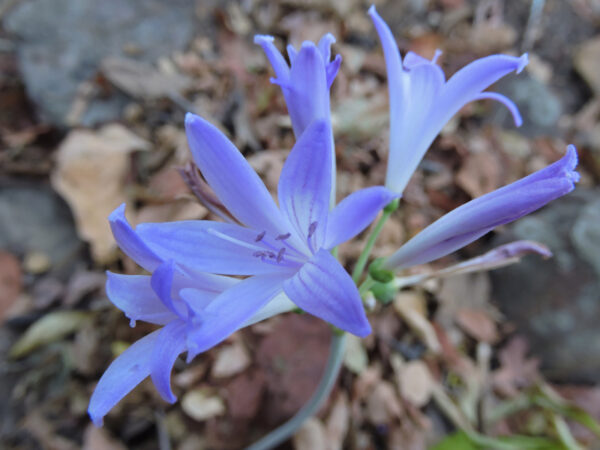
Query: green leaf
x=456, y=441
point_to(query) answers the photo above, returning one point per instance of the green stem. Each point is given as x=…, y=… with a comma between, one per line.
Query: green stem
x=364, y=256
x=283, y=432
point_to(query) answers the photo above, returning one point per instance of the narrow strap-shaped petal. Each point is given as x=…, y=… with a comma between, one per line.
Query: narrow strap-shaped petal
x=170, y=344
x=393, y=64
x=421, y=87
x=354, y=213
x=510, y=105
x=324, y=289
x=332, y=69
x=475, y=218
x=466, y=84
x=230, y=310
x=134, y=295
x=216, y=247
x=230, y=176
x=307, y=96
x=280, y=304
x=274, y=56
x=125, y=373
x=130, y=242
x=324, y=46
x=162, y=284
x=305, y=183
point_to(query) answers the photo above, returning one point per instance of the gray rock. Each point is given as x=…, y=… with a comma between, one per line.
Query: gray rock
x=539, y=106
x=556, y=303
x=61, y=44
x=35, y=219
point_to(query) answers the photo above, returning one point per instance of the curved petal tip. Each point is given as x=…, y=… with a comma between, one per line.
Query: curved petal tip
x=571, y=159
x=118, y=214
x=260, y=38
x=523, y=61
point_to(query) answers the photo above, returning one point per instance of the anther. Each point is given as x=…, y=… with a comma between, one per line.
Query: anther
x=259, y=254
x=282, y=237
x=311, y=229
x=280, y=254
x=260, y=236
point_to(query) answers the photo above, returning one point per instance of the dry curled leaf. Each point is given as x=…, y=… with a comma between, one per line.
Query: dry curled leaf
x=90, y=172
x=200, y=405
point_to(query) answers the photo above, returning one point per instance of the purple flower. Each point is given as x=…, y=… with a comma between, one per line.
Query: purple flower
x=422, y=101
x=287, y=247
x=305, y=84
x=475, y=218
x=207, y=309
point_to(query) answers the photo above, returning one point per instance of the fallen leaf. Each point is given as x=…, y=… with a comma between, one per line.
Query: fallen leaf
x=90, y=172
x=141, y=80
x=415, y=382
x=478, y=325
x=480, y=173
x=310, y=436
x=200, y=405
x=338, y=422
x=383, y=405
x=50, y=328
x=231, y=360
x=516, y=370
x=99, y=439
x=410, y=305
x=355, y=356
x=10, y=281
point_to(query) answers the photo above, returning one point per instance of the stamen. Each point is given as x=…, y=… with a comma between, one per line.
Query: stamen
x=280, y=254
x=232, y=239
x=260, y=236
x=312, y=228
x=282, y=237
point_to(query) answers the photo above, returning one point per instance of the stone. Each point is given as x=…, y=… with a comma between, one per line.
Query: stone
x=555, y=303
x=35, y=220
x=540, y=107
x=61, y=43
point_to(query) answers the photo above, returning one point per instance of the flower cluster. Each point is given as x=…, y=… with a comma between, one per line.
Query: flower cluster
x=210, y=278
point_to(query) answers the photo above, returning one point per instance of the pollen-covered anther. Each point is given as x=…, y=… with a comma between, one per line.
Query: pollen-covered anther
x=283, y=237
x=312, y=228
x=260, y=236
x=280, y=254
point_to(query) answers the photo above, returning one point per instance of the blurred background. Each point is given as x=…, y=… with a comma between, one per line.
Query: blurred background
x=92, y=100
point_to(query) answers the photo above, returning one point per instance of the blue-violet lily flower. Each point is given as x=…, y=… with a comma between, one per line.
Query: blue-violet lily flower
x=472, y=220
x=305, y=83
x=211, y=307
x=422, y=101
x=287, y=247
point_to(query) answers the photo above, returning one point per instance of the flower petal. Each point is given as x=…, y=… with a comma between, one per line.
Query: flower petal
x=305, y=183
x=130, y=242
x=133, y=295
x=280, y=304
x=307, y=96
x=169, y=345
x=215, y=247
x=230, y=310
x=354, y=213
x=162, y=284
x=228, y=173
x=125, y=373
x=323, y=288
x=280, y=67
x=477, y=217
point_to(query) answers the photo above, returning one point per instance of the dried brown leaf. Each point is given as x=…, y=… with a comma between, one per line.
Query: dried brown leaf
x=90, y=175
